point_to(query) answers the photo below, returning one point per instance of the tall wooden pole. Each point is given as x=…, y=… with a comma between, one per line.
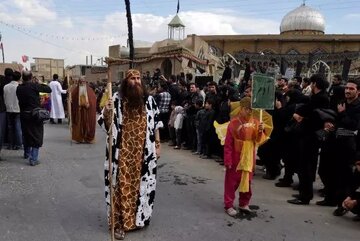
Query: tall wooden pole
x=130, y=33
x=110, y=143
x=69, y=104
x=2, y=49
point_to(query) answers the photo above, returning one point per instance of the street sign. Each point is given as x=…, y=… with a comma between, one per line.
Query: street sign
x=263, y=92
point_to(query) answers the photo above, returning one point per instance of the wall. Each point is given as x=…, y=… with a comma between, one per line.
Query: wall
x=48, y=67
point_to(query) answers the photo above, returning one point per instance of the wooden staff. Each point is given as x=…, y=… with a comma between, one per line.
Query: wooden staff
x=110, y=143
x=69, y=104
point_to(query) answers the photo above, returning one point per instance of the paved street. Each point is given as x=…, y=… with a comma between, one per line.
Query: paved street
x=62, y=200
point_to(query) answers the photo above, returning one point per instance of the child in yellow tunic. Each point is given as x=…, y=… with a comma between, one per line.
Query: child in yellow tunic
x=244, y=133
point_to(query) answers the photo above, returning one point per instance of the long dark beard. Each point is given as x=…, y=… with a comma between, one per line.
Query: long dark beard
x=134, y=95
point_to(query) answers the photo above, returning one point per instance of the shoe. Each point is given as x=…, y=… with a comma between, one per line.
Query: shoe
x=196, y=153
x=340, y=211
x=172, y=144
x=326, y=203
x=206, y=157
x=267, y=176
x=283, y=184
x=245, y=209
x=231, y=212
x=119, y=234
x=298, y=202
x=177, y=147
x=34, y=163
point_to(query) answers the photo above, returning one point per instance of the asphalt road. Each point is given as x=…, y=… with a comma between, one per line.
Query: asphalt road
x=62, y=200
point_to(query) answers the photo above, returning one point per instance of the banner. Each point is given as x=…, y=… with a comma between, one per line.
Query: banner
x=299, y=66
x=310, y=60
x=283, y=65
x=263, y=92
x=346, y=69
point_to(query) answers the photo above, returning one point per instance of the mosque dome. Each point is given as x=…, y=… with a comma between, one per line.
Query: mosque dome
x=303, y=19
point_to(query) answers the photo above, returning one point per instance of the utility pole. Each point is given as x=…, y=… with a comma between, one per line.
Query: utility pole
x=2, y=49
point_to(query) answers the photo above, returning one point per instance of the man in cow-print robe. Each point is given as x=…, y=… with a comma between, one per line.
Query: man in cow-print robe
x=135, y=149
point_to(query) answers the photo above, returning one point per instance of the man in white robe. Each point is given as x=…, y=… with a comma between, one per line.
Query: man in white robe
x=57, y=107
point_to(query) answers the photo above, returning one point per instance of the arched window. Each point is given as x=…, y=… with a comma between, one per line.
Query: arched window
x=319, y=51
x=215, y=51
x=267, y=51
x=243, y=51
x=293, y=52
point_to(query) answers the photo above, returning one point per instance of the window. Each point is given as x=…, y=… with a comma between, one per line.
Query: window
x=83, y=70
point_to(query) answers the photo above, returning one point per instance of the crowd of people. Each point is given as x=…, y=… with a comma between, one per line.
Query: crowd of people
x=27, y=102
x=315, y=131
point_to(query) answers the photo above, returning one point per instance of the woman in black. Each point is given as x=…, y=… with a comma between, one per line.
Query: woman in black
x=33, y=131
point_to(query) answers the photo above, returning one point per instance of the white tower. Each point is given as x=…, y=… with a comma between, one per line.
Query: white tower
x=176, y=29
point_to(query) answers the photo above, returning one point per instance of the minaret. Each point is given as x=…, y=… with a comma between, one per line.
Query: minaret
x=176, y=28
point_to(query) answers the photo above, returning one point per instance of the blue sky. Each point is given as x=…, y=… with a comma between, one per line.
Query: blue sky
x=72, y=29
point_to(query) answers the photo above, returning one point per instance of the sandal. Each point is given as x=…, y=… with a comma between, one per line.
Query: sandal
x=119, y=234
x=246, y=209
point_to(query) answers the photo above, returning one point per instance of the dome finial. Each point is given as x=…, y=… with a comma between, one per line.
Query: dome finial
x=304, y=2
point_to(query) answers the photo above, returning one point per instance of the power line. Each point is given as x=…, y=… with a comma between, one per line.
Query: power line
x=56, y=45
x=61, y=37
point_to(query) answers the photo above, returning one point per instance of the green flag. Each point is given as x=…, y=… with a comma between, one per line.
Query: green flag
x=263, y=92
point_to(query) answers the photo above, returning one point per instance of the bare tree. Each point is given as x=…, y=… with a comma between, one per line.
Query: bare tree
x=130, y=32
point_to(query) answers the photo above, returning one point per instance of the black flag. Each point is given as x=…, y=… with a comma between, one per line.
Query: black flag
x=283, y=66
x=346, y=69
x=299, y=66
x=322, y=69
x=178, y=7
x=310, y=60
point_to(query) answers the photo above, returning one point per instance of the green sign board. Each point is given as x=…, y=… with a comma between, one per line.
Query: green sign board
x=263, y=92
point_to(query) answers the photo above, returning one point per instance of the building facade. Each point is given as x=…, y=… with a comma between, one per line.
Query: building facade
x=93, y=74
x=302, y=40
x=13, y=66
x=47, y=67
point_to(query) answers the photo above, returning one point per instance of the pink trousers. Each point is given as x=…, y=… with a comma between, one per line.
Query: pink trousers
x=232, y=181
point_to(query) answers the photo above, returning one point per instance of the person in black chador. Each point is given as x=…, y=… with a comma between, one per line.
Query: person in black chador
x=289, y=148
x=308, y=142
